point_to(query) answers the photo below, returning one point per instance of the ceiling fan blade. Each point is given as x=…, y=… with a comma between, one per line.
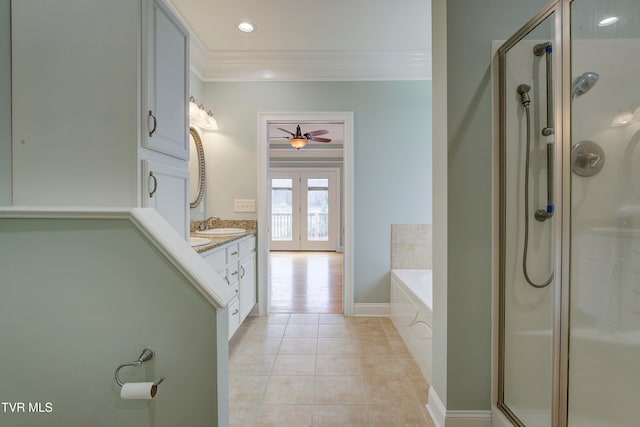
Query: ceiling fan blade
x=318, y=139
x=284, y=130
x=316, y=133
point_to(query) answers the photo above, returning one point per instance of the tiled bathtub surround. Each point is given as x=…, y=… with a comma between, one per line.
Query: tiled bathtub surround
x=411, y=246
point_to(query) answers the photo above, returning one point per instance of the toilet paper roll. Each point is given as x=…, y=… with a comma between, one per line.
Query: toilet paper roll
x=138, y=391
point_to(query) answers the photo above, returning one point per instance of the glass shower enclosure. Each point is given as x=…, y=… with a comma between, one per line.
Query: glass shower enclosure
x=569, y=213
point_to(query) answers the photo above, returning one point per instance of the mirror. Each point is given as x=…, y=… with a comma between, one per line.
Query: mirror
x=196, y=168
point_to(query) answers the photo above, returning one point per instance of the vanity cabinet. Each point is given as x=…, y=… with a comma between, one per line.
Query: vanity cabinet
x=99, y=106
x=235, y=262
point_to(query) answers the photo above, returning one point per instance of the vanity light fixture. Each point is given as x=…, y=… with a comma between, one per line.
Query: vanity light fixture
x=610, y=20
x=246, y=27
x=200, y=116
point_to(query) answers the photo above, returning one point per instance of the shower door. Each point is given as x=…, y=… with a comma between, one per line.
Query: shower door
x=604, y=335
x=569, y=282
x=527, y=222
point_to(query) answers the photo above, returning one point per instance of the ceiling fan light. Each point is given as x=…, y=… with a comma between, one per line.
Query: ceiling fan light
x=298, y=143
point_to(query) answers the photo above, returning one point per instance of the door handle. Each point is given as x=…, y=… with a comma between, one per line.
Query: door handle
x=155, y=184
x=155, y=123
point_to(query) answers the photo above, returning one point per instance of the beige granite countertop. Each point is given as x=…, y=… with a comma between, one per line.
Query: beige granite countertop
x=217, y=241
x=249, y=225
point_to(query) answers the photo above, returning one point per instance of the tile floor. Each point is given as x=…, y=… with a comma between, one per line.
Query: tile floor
x=324, y=370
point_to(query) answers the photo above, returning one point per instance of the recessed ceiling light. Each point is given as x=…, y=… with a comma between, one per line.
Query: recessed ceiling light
x=608, y=21
x=246, y=27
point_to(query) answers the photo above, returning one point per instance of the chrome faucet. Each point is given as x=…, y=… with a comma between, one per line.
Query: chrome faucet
x=208, y=223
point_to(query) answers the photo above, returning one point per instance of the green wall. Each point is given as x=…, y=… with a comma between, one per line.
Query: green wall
x=5, y=102
x=80, y=297
x=471, y=25
x=392, y=157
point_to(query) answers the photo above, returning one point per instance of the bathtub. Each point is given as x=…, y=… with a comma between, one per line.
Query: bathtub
x=411, y=313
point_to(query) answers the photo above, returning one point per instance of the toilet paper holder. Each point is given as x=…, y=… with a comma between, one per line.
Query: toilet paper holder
x=146, y=355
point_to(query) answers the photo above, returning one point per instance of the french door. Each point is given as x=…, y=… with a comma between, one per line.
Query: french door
x=305, y=209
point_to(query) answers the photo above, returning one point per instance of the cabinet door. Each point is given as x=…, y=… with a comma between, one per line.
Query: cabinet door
x=167, y=84
x=247, y=285
x=234, y=317
x=166, y=189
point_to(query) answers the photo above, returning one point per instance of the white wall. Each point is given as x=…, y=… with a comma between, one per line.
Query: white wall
x=76, y=103
x=392, y=157
x=5, y=102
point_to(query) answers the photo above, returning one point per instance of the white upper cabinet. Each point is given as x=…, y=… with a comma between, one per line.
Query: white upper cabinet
x=167, y=88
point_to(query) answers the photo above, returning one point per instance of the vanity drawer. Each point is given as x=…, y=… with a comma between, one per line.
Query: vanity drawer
x=247, y=246
x=232, y=253
x=232, y=274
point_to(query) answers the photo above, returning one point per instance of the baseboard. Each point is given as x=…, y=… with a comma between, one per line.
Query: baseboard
x=372, y=310
x=436, y=409
x=443, y=418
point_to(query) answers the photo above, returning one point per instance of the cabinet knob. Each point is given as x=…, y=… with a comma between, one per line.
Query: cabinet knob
x=155, y=123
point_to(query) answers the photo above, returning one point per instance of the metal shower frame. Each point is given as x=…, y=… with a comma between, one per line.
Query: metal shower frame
x=561, y=229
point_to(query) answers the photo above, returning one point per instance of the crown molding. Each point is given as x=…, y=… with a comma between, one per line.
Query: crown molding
x=304, y=65
x=324, y=65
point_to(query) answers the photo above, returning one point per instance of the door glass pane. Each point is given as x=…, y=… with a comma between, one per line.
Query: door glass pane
x=527, y=272
x=604, y=336
x=281, y=209
x=318, y=209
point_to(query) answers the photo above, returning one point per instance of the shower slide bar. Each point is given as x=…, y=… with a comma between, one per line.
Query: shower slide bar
x=546, y=49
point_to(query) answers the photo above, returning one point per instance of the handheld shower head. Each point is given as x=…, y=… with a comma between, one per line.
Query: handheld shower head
x=523, y=90
x=583, y=84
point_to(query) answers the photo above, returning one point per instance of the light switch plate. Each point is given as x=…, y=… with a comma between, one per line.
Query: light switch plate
x=244, y=205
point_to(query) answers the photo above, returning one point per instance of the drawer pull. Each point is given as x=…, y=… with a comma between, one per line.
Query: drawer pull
x=235, y=273
x=155, y=123
x=243, y=272
x=227, y=279
x=234, y=253
x=155, y=184
x=236, y=311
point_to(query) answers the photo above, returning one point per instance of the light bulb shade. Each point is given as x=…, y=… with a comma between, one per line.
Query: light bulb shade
x=211, y=123
x=298, y=142
x=194, y=111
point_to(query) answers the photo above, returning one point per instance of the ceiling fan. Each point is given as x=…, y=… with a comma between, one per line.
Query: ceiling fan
x=299, y=140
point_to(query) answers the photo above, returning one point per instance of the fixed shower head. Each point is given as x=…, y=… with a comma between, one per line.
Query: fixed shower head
x=583, y=84
x=523, y=90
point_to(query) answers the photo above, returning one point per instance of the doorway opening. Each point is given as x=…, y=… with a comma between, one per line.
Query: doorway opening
x=305, y=203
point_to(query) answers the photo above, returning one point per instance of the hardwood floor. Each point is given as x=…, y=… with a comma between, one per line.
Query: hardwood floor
x=306, y=282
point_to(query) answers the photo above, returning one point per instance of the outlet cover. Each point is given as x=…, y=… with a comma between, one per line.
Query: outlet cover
x=244, y=205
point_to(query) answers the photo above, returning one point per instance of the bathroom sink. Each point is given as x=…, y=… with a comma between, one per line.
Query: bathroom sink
x=222, y=231
x=198, y=241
